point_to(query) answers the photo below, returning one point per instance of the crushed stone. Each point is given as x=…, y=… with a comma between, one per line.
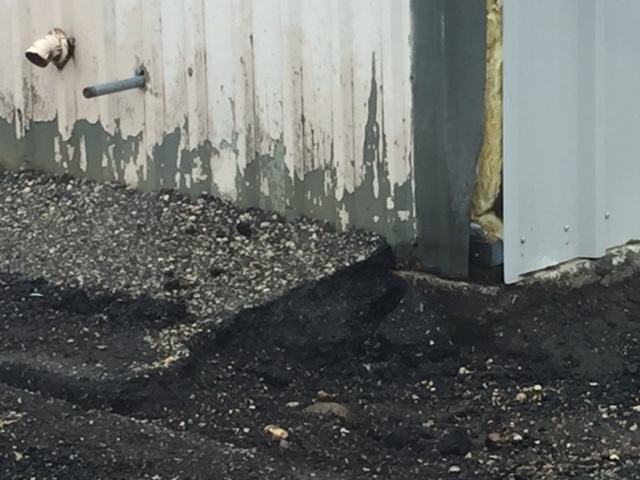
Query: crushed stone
x=216, y=257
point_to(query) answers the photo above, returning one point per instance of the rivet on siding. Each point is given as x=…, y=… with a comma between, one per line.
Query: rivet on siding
x=523, y=240
x=566, y=228
x=607, y=215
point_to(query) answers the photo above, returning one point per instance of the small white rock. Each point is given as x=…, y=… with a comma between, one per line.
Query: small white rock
x=455, y=469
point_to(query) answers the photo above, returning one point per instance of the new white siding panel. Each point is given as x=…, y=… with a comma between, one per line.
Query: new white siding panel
x=571, y=148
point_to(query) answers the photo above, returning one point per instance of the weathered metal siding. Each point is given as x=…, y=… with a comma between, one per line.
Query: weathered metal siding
x=449, y=73
x=571, y=115
x=292, y=105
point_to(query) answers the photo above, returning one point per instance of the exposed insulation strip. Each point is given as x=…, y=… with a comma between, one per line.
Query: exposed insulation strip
x=489, y=173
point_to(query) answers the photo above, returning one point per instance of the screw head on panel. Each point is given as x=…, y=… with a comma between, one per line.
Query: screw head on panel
x=607, y=215
x=566, y=228
x=523, y=240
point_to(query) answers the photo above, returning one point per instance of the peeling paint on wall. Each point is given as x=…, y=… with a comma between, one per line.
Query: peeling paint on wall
x=294, y=107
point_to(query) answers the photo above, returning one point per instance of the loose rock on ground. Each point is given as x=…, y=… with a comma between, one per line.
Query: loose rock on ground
x=148, y=336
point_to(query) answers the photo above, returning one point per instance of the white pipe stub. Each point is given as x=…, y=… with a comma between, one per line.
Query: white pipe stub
x=55, y=47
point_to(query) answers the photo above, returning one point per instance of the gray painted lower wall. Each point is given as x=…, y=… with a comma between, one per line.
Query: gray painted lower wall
x=100, y=156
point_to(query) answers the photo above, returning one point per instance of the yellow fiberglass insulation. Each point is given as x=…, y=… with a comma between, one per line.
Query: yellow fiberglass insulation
x=489, y=171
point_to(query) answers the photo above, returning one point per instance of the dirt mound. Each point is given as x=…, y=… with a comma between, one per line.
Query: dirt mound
x=422, y=376
x=369, y=314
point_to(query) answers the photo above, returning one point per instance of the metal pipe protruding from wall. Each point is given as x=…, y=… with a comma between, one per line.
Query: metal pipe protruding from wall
x=139, y=81
x=55, y=47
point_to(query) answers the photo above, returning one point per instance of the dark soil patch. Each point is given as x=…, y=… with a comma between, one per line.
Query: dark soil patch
x=57, y=440
x=426, y=373
x=80, y=345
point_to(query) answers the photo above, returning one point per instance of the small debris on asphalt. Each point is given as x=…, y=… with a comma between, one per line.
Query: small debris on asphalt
x=533, y=393
x=323, y=396
x=493, y=441
x=292, y=405
x=328, y=408
x=455, y=469
x=277, y=433
x=165, y=362
x=455, y=442
x=9, y=418
x=429, y=385
x=244, y=229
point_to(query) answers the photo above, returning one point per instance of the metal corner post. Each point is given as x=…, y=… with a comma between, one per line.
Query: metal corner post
x=448, y=74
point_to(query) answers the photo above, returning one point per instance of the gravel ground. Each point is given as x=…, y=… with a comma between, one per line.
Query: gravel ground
x=207, y=253
x=78, y=445
x=334, y=373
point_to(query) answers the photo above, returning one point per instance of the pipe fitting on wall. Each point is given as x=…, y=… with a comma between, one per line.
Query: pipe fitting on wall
x=55, y=47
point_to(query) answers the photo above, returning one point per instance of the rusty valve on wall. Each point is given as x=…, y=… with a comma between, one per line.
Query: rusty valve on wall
x=55, y=47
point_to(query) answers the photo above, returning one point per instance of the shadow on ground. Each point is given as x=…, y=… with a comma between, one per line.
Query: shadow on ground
x=81, y=345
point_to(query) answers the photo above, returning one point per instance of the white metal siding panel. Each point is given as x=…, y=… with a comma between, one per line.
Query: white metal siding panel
x=620, y=124
x=153, y=106
x=223, y=103
x=570, y=110
x=231, y=82
x=396, y=98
